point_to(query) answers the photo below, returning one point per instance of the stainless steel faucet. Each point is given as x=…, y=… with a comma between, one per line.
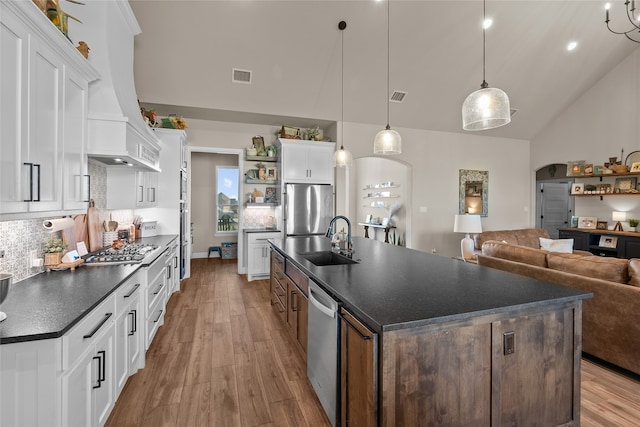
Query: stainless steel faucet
x=331, y=231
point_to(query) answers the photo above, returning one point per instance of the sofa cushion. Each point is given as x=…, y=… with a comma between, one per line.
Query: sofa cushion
x=517, y=253
x=558, y=245
x=501, y=236
x=634, y=272
x=605, y=268
x=530, y=236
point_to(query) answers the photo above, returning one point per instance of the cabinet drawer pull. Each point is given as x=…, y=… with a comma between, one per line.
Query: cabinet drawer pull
x=103, y=371
x=98, y=326
x=363, y=336
x=159, y=316
x=159, y=289
x=134, y=321
x=30, y=199
x=38, y=166
x=135, y=288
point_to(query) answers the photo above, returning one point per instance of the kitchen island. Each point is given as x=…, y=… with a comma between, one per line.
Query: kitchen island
x=457, y=344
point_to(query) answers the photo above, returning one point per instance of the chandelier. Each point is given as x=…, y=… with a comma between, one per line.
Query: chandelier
x=633, y=19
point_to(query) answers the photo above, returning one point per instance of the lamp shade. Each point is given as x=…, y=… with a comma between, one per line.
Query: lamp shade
x=486, y=108
x=467, y=224
x=387, y=141
x=342, y=158
x=619, y=216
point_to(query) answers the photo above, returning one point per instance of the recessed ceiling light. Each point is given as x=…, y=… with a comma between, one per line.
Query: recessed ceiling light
x=571, y=46
x=487, y=23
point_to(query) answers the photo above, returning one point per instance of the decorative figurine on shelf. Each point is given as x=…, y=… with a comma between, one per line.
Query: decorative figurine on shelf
x=59, y=17
x=271, y=151
x=83, y=48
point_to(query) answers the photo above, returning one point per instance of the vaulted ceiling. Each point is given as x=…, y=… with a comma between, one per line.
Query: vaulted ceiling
x=185, y=55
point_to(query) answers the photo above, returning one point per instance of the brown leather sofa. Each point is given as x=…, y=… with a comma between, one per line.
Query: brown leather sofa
x=611, y=319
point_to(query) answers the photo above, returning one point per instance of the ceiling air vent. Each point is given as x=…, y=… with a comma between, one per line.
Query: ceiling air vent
x=513, y=111
x=241, y=76
x=397, y=96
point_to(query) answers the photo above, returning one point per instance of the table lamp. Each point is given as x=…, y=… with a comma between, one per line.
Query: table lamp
x=467, y=224
x=618, y=216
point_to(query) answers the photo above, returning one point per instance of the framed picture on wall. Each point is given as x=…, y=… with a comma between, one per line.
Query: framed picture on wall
x=272, y=174
x=577, y=188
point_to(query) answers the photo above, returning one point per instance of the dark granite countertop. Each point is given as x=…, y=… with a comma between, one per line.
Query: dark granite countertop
x=394, y=288
x=49, y=304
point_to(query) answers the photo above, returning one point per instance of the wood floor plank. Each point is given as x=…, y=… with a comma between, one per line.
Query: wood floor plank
x=272, y=373
x=241, y=332
x=288, y=414
x=222, y=350
x=254, y=408
x=255, y=374
x=221, y=310
x=225, y=408
x=194, y=409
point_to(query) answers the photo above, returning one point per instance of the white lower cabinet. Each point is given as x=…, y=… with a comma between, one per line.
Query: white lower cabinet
x=129, y=331
x=258, y=254
x=88, y=387
x=88, y=378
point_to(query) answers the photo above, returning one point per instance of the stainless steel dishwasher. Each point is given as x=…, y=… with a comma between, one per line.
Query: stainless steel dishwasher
x=323, y=350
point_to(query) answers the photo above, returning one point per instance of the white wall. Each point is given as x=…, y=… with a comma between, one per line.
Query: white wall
x=435, y=159
x=604, y=120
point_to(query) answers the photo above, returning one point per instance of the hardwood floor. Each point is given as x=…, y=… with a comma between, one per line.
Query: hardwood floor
x=223, y=358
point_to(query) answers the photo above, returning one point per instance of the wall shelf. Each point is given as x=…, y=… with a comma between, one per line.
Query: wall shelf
x=265, y=159
x=260, y=181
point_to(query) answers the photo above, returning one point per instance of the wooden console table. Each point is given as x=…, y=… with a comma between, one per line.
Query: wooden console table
x=627, y=243
x=386, y=229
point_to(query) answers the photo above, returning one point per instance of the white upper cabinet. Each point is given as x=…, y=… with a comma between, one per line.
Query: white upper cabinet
x=44, y=115
x=306, y=161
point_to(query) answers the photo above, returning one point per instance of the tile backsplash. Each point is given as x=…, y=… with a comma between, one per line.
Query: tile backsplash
x=18, y=238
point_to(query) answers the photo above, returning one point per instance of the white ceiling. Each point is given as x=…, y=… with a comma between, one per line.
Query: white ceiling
x=293, y=49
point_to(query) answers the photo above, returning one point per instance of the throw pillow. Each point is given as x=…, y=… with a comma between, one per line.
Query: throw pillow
x=560, y=245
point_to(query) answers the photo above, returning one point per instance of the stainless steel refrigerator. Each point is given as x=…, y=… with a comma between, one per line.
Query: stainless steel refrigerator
x=308, y=209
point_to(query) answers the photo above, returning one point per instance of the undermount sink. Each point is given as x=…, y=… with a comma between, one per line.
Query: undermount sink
x=327, y=258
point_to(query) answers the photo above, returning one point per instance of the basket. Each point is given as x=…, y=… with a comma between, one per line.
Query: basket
x=229, y=250
x=619, y=168
x=52, y=258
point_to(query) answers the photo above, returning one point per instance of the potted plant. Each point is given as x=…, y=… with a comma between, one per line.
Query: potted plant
x=53, y=250
x=633, y=223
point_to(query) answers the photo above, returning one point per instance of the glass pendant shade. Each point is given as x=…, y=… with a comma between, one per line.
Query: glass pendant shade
x=342, y=158
x=486, y=108
x=387, y=141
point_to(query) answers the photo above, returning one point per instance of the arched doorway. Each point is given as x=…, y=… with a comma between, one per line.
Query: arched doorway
x=554, y=205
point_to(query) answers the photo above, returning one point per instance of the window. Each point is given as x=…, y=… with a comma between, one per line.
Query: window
x=227, y=200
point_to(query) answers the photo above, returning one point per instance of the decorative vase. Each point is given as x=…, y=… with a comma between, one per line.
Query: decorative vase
x=52, y=258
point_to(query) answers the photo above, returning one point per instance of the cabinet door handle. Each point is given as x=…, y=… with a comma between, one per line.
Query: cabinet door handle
x=98, y=382
x=30, y=199
x=175, y=262
x=103, y=371
x=133, y=290
x=363, y=336
x=133, y=322
x=159, y=316
x=141, y=198
x=168, y=272
x=293, y=299
x=98, y=326
x=38, y=166
x=88, y=188
x=159, y=289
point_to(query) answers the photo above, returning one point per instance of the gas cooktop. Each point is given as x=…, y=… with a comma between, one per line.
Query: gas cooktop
x=131, y=253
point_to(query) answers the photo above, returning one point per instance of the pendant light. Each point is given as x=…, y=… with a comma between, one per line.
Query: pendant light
x=342, y=158
x=488, y=107
x=387, y=141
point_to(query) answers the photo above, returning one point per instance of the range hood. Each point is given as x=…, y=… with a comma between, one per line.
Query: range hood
x=117, y=133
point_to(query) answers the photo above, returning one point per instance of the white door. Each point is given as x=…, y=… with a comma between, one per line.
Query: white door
x=555, y=206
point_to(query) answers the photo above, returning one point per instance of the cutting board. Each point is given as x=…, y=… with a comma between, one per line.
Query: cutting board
x=81, y=229
x=94, y=228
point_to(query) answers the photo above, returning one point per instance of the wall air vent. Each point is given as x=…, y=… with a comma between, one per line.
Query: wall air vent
x=513, y=112
x=397, y=96
x=241, y=76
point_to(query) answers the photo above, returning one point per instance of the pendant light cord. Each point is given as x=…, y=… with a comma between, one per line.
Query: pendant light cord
x=342, y=25
x=484, y=44
x=388, y=56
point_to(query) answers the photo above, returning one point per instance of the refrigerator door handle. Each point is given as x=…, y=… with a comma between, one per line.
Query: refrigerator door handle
x=285, y=207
